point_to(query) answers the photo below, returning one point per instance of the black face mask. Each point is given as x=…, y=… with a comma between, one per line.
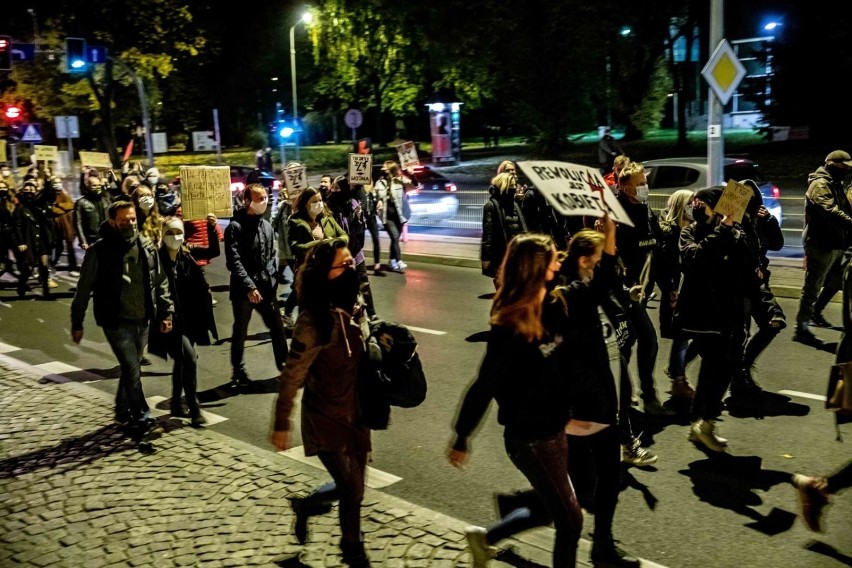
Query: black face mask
x=166, y=204
x=838, y=174
x=699, y=214
x=343, y=290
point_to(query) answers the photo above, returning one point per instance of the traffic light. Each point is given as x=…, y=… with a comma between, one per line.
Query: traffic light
x=76, y=60
x=13, y=115
x=5, y=53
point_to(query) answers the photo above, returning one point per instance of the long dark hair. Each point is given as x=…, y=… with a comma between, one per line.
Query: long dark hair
x=301, y=204
x=312, y=284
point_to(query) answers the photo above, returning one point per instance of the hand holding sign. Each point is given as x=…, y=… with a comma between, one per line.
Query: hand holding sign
x=733, y=203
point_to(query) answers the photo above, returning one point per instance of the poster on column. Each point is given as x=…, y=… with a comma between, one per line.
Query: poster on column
x=574, y=190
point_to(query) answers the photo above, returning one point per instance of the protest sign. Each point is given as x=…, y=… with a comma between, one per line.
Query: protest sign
x=95, y=160
x=734, y=200
x=407, y=155
x=574, y=190
x=360, y=169
x=295, y=179
x=45, y=153
x=205, y=189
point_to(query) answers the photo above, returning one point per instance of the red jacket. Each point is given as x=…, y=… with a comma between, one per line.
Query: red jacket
x=196, y=236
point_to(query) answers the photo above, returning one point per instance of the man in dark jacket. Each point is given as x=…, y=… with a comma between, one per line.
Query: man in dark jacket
x=719, y=273
x=826, y=234
x=122, y=273
x=90, y=212
x=252, y=258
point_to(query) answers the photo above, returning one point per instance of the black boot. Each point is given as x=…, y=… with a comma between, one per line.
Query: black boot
x=743, y=384
x=607, y=554
x=304, y=509
x=354, y=554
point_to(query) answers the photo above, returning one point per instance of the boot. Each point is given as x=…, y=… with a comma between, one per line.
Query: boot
x=607, y=554
x=354, y=554
x=743, y=384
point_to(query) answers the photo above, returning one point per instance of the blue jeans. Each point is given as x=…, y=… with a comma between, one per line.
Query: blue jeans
x=544, y=463
x=127, y=340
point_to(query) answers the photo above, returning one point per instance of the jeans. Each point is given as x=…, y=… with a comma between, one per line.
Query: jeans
x=127, y=340
x=243, y=309
x=544, y=463
x=646, y=347
x=682, y=353
x=392, y=226
x=184, y=371
x=717, y=366
x=594, y=464
x=820, y=263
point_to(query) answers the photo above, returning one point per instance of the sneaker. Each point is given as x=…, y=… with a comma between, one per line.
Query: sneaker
x=402, y=264
x=807, y=337
x=51, y=283
x=214, y=301
x=819, y=320
x=654, y=407
x=74, y=273
x=397, y=267
x=287, y=319
x=704, y=432
x=197, y=420
x=240, y=380
x=681, y=389
x=151, y=431
x=480, y=550
x=377, y=267
x=605, y=553
x=634, y=454
x=813, y=498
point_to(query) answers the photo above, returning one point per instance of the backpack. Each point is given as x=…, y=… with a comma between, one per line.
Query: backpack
x=397, y=373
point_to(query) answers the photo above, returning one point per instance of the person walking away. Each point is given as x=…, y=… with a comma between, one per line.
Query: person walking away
x=369, y=203
x=122, y=274
x=825, y=236
x=193, y=322
x=251, y=258
x=502, y=220
x=608, y=149
x=521, y=371
x=719, y=273
x=90, y=211
x=390, y=203
x=328, y=350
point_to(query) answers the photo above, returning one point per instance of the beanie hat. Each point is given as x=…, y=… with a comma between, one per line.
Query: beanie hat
x=173, y=223
x=710, y=195
x=152, y=172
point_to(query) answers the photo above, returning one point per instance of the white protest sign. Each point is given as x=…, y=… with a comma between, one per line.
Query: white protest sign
x=360, y=169
x=734, y=200
x=407, y=155
x=574, y=190
x=295, y=179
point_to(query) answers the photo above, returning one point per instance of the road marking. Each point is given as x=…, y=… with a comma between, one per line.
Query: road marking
x=6, y=348
x=803, y=395
x=374, y=478
x=153, y=401
x=424, y=330
x=59, y=372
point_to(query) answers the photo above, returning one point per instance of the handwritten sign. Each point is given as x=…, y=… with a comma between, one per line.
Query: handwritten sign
x=574, y=190
x=95, y=159
x=295, y=180
x=734, y=200
x=360, y=169
x=407, y=155
x=46, y=153
x=205, y=189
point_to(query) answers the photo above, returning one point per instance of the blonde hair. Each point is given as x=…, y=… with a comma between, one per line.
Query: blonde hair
x=523, y=273
x=502, y=167
x=392, y=168
x=620, y=161
x=630, y=172
x=676, y=206
x=504, y=182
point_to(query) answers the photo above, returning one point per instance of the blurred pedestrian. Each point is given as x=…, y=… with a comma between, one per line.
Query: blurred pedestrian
x=391, y=201
x=608, y=149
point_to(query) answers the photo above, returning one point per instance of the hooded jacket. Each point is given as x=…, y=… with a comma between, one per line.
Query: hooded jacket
x=828, y=212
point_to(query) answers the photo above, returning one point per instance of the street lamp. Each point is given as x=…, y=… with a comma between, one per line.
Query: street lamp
x=306, y=18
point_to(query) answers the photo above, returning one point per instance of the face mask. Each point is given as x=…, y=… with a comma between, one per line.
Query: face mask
x=343, y=290
x=26, y=197
x=642, y=193
x=152, y=180
x=258, y=207
x=96, y=190
x=166, y=204
x=146, y=203
x=700, y=215
x=129, y=232
x=687, y=212
x=173, y=242
x=316, y=208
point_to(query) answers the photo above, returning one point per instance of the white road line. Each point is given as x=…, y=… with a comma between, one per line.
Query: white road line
x=803, y=395
x=153, y=401
x=6, y=348
x=375, y=479
x=424, y=330
x=59, y=372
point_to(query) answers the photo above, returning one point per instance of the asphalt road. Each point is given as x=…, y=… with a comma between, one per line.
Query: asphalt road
x=687, y=510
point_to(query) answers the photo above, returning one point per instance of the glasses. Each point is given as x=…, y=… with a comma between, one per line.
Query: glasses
x=345, y=264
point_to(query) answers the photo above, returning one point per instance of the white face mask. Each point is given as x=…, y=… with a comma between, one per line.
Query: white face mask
x=146, y=202
x=258, y=207
x=316, y=208
x=642, y=193
x=173, y=242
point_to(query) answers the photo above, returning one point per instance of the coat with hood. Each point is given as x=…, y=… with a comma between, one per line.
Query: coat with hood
x=828, y=212
x=251, y=256
x=104, y=277
x=502, y=219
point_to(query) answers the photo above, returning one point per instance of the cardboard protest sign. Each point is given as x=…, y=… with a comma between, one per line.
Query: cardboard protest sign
x=360, y=169
x=95, y=160
x=295, y=179
x=205, y=189
x=574, y=190
x=734, y=200
x=407, y=155
x=45, y=153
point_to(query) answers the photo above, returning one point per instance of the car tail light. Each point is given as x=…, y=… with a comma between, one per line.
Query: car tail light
x=776, y=191
x=276, y=184
x=450, y=186
x=237, y=186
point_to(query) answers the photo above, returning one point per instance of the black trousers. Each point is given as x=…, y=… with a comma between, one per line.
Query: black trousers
x=268, y=310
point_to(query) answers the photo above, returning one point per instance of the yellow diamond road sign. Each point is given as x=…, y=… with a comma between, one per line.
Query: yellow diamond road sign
x=724, y=71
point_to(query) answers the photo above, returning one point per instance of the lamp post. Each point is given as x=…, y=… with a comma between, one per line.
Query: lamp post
x=306, y=18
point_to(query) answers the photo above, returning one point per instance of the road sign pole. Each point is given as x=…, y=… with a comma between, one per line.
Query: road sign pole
x=70, y=147
x=715, y=117
x=353, y=135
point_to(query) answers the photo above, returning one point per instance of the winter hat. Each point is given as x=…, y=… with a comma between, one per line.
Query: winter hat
x=710, y=195
x=839, y=158
x=152, y=172
x=174, y=223
x=756, y=197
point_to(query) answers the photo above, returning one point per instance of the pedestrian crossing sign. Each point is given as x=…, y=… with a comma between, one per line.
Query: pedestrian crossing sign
x=32, y=133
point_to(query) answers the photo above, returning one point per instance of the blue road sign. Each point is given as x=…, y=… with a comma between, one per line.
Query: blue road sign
x=31, y=133
x=23, y=52
x=96, y=53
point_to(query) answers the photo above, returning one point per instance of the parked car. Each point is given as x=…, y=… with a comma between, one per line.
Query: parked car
x=671, y=174
x=431, y=197
x=239, y=174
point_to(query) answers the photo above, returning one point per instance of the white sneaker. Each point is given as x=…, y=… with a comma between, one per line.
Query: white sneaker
x=480, y=550
x=704, y=432
x=74, y=274
x=402, y=265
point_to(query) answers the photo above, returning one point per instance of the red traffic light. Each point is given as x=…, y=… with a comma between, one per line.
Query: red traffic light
x=4, y=43
x=12, y=112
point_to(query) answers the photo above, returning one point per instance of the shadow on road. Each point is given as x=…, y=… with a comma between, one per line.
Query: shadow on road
x=229, y=390
x=829, y=551
x=478, y=337
x=764, y=404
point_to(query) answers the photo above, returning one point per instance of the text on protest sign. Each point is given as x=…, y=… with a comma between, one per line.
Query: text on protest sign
x=407, y=153
x=95, y=159
x=45, y=153
x=205, y=189
x=360, y=169
x=574, y=190
x=734, y=200
x=295, y=180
